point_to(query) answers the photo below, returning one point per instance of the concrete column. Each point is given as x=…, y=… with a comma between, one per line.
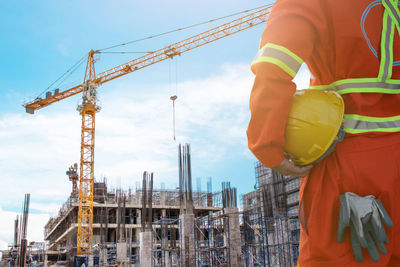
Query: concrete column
x=138, y=198
x=187, y=239
x=46, y=260
x=163, y=198
x=138, y=216
x=122, y=249
x=103, y=256
x=145, y=248
x=90, y=261
x=235, y=249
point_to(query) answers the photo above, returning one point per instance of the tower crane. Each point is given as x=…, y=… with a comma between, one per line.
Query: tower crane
x=88, y=108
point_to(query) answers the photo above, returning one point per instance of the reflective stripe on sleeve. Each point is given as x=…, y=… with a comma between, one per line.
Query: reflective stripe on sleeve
x=361, y=124
x=280, y=56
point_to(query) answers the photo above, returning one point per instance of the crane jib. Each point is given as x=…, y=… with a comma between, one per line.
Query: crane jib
x=219, y=32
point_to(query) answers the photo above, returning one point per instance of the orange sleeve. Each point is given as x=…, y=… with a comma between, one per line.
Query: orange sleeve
x=291, y=24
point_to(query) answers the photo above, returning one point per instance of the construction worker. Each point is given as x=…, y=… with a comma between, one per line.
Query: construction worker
x=352, y=48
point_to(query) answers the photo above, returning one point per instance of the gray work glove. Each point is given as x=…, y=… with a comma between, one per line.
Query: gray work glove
x=364, y=216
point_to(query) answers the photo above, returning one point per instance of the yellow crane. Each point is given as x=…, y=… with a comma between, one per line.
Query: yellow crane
x=88, y=108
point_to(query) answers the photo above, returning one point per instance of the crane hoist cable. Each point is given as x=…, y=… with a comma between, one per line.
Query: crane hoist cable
x=174, y=96
x=71, y=70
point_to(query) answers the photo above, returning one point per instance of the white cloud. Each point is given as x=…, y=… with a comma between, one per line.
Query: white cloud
x=34, y=230
x=303, y=77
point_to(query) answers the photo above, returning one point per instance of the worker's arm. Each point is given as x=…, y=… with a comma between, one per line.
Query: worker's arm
x=287, y=41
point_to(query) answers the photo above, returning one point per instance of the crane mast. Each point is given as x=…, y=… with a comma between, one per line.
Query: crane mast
x=88, y=108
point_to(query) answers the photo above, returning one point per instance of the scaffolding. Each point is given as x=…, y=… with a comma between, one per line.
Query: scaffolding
x=253, y=239
x=133, y=257
x=270, y=241
x=109, y=258
x=270, y=225
x=211, y=240
x=63, y=255
x=35, y=255
x=165, y=246
x=282, y=247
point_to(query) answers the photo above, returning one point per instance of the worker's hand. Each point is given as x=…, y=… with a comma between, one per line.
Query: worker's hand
x=287, y=167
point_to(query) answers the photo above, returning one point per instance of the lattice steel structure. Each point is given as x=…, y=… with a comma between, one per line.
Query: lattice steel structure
x=88, y=111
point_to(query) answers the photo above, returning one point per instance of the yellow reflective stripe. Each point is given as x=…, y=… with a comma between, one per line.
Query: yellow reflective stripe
x=394, y=12
x=353, y=80
x=363, y=85
x=277, y=62
x=280, y=56
x=354, y=123
x=371, y=119
x=391, y=19
x=286, y=51
x=368, y=90
x=381, y=130
x=392, y=30
x=385, y=50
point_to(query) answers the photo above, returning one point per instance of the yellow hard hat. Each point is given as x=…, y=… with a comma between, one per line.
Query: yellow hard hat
x=314, y=125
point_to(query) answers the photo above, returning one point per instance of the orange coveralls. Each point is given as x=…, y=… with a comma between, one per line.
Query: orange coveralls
x=338, y=40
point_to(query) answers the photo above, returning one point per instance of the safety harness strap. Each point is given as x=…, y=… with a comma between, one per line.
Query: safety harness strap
x=280, y=56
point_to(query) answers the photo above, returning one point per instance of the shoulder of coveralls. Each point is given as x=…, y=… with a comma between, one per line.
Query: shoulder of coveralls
x=294, y=24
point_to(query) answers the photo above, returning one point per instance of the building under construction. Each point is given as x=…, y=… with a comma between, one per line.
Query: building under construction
x=148, y=227
x=117, y=217
x=180, y=227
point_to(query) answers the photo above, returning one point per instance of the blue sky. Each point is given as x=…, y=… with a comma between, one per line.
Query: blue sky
x=42, y=39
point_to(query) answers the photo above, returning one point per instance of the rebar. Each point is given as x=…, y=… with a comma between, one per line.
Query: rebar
x=185, y=179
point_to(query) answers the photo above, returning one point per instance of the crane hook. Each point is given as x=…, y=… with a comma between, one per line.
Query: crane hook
x=173, y=98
